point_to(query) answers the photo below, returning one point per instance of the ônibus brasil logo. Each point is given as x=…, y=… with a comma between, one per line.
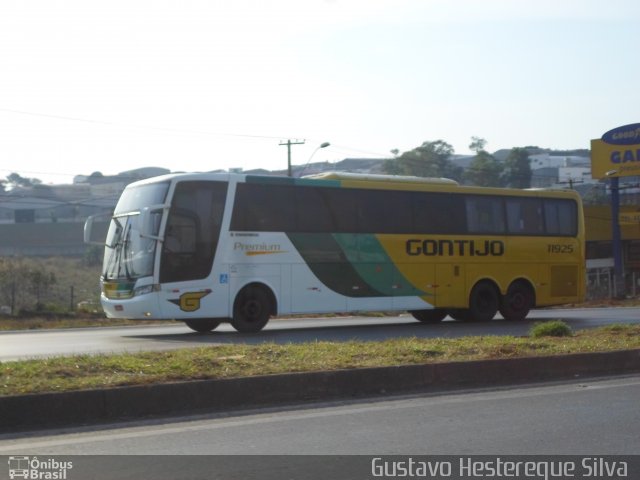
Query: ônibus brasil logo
x=36, y=469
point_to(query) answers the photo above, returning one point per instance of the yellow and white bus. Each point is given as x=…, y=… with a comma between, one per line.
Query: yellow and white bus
x=212, y=248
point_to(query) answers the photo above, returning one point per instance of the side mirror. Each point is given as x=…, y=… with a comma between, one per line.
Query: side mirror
x=88, y=228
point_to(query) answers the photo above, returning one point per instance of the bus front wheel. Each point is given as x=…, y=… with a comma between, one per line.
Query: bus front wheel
x=434, y=315
x=202, y=325
x=252, y=309
x=484, y=302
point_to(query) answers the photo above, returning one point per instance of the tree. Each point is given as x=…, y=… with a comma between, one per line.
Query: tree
x=484, y=170
x=477, y=144
x=39, y=281
x=431, y=159
x=23, y=283
x=17, y=180
x=517, y=169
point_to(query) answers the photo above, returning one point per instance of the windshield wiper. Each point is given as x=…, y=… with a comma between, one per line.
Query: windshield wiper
x=127, y=257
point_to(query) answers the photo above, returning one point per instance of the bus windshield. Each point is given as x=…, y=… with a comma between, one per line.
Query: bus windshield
x=135, y=198
x=128, y=255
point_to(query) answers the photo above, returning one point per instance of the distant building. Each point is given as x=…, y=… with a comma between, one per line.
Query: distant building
x=544, y=177
x=559, y=170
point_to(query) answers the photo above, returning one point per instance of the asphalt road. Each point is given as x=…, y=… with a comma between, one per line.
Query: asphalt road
x=46, y=343
x=591, y=417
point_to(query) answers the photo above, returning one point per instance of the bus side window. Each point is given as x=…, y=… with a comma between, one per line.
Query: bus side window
x=382, y=211
x=441, y=213
x=560, y=217
x=342, y=209
x=485, y=214
x=264, y=208
x=312, y=211
x=524, y=216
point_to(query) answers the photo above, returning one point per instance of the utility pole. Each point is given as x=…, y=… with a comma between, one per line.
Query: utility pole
x=288, y=143
x=571, y=182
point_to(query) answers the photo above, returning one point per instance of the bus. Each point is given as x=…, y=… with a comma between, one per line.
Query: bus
x=207, y=248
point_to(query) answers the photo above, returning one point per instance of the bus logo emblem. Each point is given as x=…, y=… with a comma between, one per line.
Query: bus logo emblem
x=190, y=301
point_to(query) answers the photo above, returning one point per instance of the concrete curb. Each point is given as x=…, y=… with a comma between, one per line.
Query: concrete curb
x=26, y=412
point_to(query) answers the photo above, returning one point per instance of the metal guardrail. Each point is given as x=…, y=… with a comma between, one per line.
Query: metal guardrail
x=601, y=284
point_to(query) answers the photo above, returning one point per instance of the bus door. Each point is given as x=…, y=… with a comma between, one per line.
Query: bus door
x=450, y=281
x=191, y=237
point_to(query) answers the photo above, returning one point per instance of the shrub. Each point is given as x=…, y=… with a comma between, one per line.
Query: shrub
x=554, y=328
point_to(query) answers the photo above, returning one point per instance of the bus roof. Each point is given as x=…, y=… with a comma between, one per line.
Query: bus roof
x=364, y=180
x=370, y=177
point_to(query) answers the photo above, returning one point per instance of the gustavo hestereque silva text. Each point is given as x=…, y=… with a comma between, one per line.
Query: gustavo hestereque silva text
x=506, y=467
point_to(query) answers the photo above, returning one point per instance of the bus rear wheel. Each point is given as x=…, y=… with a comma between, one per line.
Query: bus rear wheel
x=202, y=325
x=434, y=315
x=517, y=302
x=484, y=302
x=252, y=309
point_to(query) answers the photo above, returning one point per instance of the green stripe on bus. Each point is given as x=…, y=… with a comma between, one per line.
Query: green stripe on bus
x=272, y=180
x=326, y=259
x=354, y=265
x=373, y=264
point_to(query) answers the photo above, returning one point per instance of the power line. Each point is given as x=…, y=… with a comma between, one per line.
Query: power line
x=197, y=132
x=143, y=127
x=172, y=130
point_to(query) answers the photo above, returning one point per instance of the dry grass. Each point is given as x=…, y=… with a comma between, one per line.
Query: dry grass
x=89, y=372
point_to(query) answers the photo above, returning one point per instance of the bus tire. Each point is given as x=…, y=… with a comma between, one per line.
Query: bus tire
x=202, y=325
x=518, y=301
x=251, y=309
x=433, y=315
x=484, y=302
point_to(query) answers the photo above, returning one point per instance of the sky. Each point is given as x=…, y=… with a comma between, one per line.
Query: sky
x=200, y=85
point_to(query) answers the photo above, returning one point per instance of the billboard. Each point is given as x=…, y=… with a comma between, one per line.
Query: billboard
x=617, y=153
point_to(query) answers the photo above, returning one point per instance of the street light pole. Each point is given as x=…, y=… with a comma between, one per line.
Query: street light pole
x=322, y=145
x=616, y=238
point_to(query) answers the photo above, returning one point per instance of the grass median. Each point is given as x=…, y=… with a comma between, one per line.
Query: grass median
x=228, y=361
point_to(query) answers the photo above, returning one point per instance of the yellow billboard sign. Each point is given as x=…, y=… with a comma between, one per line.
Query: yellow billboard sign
x=617, y=153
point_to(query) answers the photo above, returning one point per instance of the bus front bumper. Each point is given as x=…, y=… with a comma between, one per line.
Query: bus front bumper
x=142, y=307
